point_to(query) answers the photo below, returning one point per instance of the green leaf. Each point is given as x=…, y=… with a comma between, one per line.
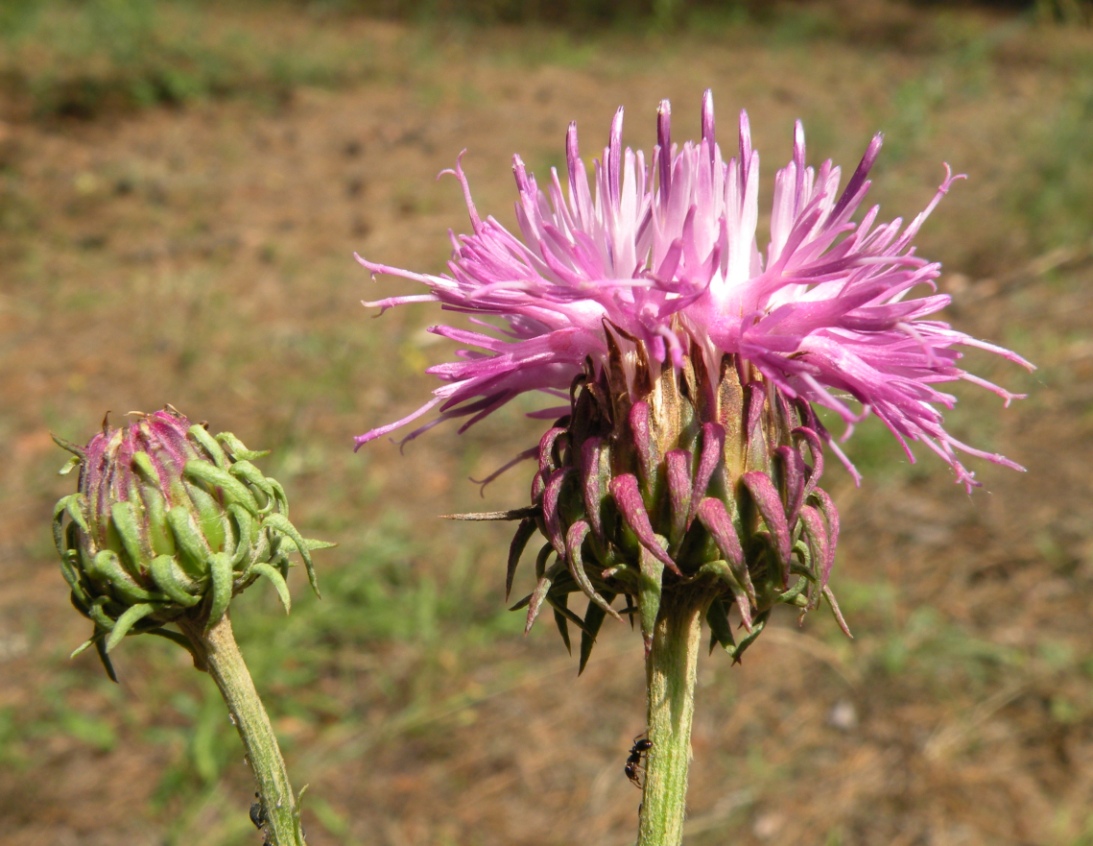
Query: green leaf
x=200, y=434
x=274, y=493
x=278, y=581
x=830, y=597
x=233, y=489
x=127, y=525
x=541, y=559
x=237, y=448
x=220, y=572
x=97, y=613
x=519, y=542
x=79, y=650
x=70, y=465
x=574, y=542
x=70, y=570
x=757, y=627
x=209, y=512
x=155, y=518
x=106, y=566
x=78, y=452
x=535, y=601
x=593, y=620
x=793, y=596
x=107, y=664
x=723, y=571
x=246, y=533
x=133, y=615
x=189, y=541
x=562, y=625
x=146, y=470
x=717, y=617
x=280, y=523
x=652, y=570
x=173, y=581
x=73, y=506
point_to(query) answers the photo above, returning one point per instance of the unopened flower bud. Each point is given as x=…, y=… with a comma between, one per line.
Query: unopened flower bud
x=169, y=521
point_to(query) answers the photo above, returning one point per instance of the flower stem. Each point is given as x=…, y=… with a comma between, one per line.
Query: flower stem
x=671, y=671
x=216, y=651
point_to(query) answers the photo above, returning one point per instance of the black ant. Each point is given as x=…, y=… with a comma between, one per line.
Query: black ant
x=258, y=813
x=260, y=818
x=634, y=770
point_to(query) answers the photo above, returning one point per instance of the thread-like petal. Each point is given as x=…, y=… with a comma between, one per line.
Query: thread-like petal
x=663, y=249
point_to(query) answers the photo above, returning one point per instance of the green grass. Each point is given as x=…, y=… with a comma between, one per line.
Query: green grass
x=1055, y=193
x=83, y=59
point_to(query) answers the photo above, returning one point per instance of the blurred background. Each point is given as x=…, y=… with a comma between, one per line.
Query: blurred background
x=182, y=187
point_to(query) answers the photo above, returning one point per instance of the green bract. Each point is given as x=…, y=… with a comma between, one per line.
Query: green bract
x=668, y=483
x=169, y=521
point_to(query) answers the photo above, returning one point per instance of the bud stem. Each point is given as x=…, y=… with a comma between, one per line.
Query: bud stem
x=671, y=672
x=215, y=648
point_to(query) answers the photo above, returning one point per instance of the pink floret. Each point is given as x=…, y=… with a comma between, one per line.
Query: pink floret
x=664, y=250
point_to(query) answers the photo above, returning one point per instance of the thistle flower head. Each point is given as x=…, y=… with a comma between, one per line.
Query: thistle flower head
x=684, y=364
x=169, y=521
x=664, y=250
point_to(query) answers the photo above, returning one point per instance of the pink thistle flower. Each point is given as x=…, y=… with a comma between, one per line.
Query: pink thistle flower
x=664, y=251
x=684, y=367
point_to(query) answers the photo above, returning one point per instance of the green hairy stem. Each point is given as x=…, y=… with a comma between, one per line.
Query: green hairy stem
x=216, y=651
x=671, y=671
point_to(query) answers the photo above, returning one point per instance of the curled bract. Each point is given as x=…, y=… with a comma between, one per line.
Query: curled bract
x=169, y=521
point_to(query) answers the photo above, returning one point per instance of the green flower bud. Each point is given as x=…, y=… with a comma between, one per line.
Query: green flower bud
x=169, y=522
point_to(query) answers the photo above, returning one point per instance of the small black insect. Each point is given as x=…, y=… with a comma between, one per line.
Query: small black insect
x=258, y=813
x=260, y=818
x=634, y=770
